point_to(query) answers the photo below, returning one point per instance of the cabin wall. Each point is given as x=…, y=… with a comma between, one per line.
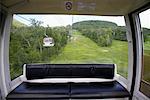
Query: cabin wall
x=0, y=95
x=2, y=20
x=137, y=53
x=130, y=52
x=6, y=18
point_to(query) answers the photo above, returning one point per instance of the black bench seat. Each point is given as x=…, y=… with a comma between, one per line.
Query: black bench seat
x=92, y=90
x=40, y=90
x=69, y=90
x=98, y=90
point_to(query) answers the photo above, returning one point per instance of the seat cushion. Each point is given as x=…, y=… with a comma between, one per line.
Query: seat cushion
x=40, y=90
x=55, y=91
x=98, y=90
x=103, y=71
x=81, y=71
x=41, y=71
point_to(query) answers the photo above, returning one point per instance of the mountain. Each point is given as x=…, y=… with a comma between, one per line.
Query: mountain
x=94, y=24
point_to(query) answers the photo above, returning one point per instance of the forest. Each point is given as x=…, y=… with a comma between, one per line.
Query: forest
x=26, y=42
x=103, y=32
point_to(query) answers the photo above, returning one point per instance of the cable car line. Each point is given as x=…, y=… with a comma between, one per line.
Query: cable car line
x=24, y=18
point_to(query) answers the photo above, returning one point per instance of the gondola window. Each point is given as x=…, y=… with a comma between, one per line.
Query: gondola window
x=145, y=76
x=78, y=39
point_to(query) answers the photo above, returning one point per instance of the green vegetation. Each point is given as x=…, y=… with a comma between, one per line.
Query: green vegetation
x=101, y=32
x=96, y=24
x=82, y=50
x=146, y=33
x=16, y=23
x=26, y=45
x=146, y=59
x=102, y=36
x=146, y=73
x=119, y=33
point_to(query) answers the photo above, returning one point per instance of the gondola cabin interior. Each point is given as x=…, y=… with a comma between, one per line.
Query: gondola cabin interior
x=75, y=49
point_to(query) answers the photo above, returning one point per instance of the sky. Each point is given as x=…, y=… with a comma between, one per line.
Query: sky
x=145, y=18
x=63, y=20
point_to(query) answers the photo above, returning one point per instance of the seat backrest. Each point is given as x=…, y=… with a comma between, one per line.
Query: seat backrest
x=40, y=71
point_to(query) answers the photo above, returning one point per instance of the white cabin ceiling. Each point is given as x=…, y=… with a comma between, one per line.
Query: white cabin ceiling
x=96, y=7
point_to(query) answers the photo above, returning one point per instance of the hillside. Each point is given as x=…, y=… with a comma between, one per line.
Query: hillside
x=17, y=23
x=93, y=24
x=93, y=28
x=82, y=50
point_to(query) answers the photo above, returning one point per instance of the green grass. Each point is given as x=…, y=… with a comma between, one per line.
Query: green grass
x=146, y=70
x=146, y=73
x=81, y=50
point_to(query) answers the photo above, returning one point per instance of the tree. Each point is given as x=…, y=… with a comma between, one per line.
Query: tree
x=26, y=45
x=119, y=33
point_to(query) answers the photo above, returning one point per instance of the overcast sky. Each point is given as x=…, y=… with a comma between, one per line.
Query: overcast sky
x=63, y=20
x=145, y=18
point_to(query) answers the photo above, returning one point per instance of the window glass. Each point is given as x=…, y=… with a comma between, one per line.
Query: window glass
x=68, y=39
x=145, y=79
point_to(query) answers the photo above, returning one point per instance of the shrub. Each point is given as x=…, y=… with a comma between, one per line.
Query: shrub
x=103, y=36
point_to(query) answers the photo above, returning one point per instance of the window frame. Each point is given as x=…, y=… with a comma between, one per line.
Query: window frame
x=2, y=20
x=4, y=41
x=5, y=74
x=143, y=83
x=124, y=81
x=138, y=50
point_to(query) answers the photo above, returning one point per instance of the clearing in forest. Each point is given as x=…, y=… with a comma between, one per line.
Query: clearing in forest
x=82, y=50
